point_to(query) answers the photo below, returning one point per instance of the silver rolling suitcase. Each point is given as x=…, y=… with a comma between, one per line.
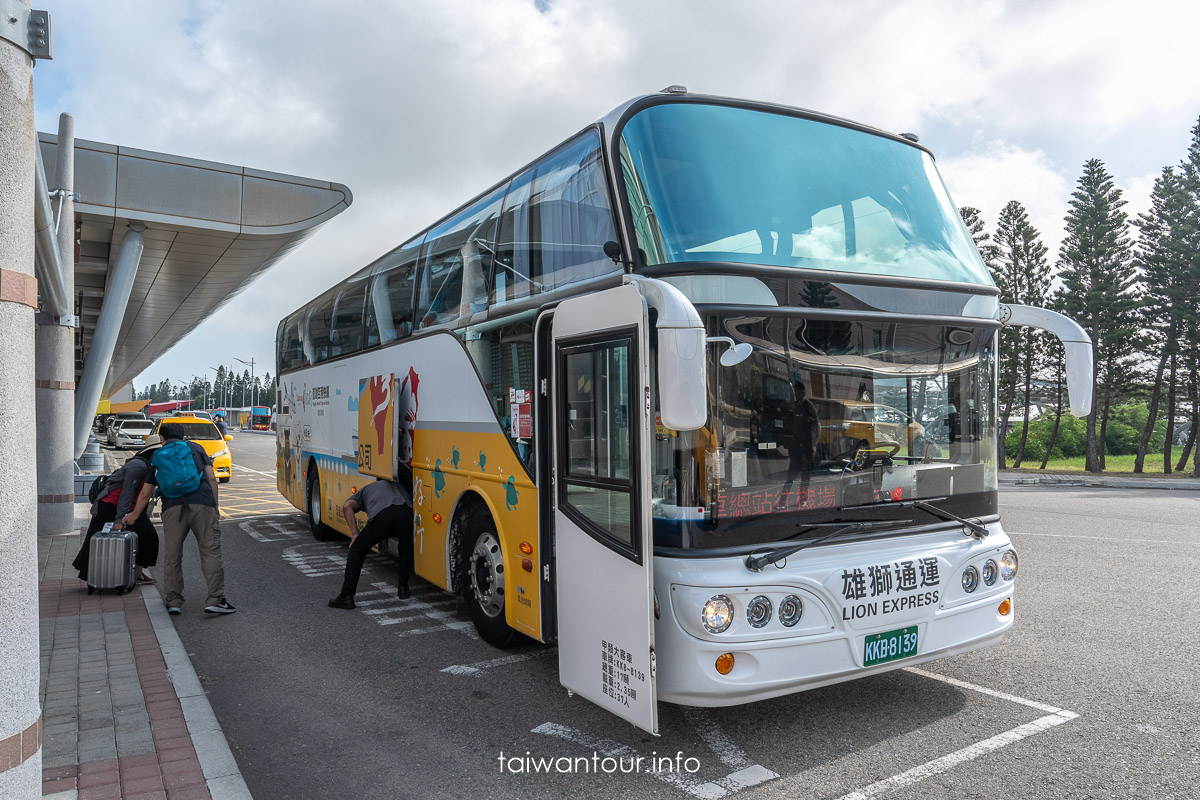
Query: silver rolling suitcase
x=112, y=560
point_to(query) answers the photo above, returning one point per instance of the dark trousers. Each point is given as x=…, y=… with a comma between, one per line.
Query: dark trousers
x=147, y=554
x=392, y=521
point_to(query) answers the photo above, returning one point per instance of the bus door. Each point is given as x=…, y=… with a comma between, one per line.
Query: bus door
x=603, y=544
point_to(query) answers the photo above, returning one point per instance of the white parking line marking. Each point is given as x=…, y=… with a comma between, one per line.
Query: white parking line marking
x=1125, y=539
x=478, y=668
x=969, y=753
x=715, y=738
x=282, y=531
x=239, y=467
x=732, y=783
x=1012, y=698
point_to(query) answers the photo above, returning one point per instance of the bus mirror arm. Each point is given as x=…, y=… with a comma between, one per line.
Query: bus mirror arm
x=682, y=356
x=1077, y=346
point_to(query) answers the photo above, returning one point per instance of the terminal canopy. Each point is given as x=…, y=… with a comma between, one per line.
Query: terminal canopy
x=211, y=229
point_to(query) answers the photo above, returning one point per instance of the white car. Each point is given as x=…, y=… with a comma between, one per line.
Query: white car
x=131, y=432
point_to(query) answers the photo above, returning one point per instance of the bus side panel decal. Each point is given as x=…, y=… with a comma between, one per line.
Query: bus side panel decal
x=376, y=426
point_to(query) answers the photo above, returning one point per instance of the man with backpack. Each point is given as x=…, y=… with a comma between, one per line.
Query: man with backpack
x=182, y=473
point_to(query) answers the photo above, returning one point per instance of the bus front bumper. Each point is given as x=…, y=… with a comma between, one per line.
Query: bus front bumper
x=687, y=672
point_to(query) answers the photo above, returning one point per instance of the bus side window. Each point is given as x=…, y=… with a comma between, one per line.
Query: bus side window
x=556, y=219
x=347, y=334
x=459, y=253
x=570, y=216
x=504, y=359
x=399, y=285
x=317, y=341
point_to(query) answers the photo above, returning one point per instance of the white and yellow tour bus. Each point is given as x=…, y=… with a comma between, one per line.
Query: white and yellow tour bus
x=706, y=395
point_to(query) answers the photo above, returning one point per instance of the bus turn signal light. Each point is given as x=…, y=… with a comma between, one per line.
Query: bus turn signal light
x=526, y=565
x=437, y=519
x=725, y=663
x=1005, y=607
x=527, y=548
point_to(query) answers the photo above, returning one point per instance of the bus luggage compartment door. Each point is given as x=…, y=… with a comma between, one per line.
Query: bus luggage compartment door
x=603, y=548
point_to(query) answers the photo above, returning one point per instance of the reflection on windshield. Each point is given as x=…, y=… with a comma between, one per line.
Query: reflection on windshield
x=196, y=431
x=713, y=183
x=826, y=415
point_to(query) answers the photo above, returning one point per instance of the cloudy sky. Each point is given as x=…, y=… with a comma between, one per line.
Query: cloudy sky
x=417, y=106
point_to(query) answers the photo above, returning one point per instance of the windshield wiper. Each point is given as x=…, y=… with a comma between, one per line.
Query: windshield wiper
x=977, y=529
x=756, y=562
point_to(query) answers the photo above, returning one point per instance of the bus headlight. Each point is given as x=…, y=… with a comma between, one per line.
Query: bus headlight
x=758, y=611
x=970, y=579
x=791, y=609
x=989, y=572
x=1008, y=565
x=718, y=614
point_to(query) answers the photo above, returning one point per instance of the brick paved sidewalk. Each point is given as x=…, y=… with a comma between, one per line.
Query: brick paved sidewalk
x=124, y=715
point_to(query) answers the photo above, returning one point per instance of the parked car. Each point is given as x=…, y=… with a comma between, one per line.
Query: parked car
x=112, y=419
x=205, y=434
x=130, y=432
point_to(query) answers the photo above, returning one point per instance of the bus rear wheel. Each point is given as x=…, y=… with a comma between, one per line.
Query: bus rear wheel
x=320, y=531
x=484, y=580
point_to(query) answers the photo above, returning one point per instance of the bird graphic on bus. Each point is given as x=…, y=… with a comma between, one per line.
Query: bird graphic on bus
x=482, y=461
x=454, y=456
x=511, y=493
x=439, y=479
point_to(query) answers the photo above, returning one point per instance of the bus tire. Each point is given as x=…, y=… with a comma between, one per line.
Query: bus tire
x=320, y=531
x=484, y=581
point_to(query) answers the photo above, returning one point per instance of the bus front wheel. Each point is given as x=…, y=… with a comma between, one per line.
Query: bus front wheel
x=320, y=531
x=484, y=584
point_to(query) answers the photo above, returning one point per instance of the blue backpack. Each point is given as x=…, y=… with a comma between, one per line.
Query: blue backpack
x=176, y=470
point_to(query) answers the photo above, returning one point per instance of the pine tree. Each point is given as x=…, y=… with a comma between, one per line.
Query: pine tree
x=1095, y=263
x=1023, y=275
x=1167, y=282
x=973, y=219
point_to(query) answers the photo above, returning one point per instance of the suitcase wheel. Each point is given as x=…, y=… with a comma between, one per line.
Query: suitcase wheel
x=91, y=589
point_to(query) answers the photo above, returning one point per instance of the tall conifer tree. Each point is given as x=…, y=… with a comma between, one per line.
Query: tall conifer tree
x=1023, y=275
x=1095, y=264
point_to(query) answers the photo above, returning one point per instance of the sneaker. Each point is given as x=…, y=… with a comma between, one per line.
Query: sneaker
x=173, y=611
x=402, y=592
x=342, y=601
x=222, y=607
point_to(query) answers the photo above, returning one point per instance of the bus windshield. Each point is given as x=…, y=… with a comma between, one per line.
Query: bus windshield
x=715, y=183
x=830, y=421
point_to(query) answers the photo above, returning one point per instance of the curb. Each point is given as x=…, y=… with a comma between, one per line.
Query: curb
x=221, y=773
x=1176, y=484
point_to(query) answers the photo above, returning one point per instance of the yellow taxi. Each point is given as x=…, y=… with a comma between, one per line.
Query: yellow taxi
x=204, y=433
x=850, y=425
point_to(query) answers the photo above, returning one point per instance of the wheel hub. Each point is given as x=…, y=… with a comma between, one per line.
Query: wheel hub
x=487, y=575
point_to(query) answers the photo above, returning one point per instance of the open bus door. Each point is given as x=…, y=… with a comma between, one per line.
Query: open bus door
x=603, y=550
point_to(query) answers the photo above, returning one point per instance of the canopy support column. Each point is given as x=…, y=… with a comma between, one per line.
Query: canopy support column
x=108, y=327
x=55, y=341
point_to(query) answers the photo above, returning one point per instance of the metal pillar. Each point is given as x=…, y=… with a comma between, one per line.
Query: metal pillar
x=55, y=370
x=108, y=327
x=20, y=714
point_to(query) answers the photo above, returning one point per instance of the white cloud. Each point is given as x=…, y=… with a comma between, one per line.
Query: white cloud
x=417, y=106
x=994, y=173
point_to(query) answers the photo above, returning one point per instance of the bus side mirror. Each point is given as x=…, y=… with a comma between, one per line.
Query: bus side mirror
x=736, y=353
x=1077, y=346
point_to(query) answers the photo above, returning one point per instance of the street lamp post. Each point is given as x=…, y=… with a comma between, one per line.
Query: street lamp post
x=254, y=389
x=216, y=372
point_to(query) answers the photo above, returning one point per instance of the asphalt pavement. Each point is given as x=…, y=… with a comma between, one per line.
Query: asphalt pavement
x=1093, y=694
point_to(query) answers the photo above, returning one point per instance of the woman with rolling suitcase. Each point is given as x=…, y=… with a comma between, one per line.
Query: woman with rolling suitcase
x=116, y=499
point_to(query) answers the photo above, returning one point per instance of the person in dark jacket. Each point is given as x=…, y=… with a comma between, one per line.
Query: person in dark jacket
x=388, y=506
x=118, y=497
x=219, y=421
